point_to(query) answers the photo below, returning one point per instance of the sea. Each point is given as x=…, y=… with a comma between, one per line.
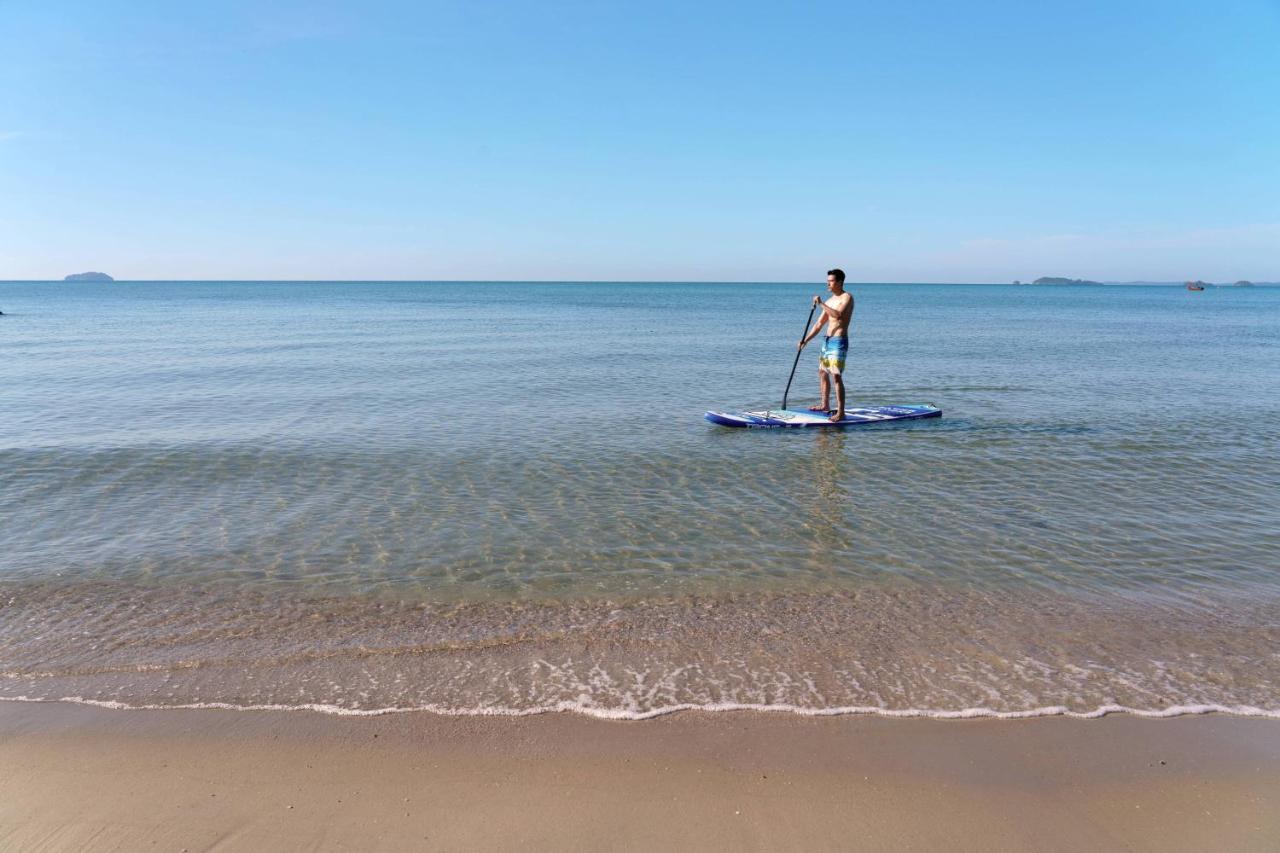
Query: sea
x=502, y=498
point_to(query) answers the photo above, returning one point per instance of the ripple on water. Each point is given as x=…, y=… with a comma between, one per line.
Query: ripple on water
x=899, y=650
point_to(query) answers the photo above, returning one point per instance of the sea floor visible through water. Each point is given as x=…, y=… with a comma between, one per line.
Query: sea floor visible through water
x=893, y=652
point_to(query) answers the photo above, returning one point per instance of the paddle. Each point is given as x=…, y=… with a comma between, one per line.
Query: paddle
x=799, y=350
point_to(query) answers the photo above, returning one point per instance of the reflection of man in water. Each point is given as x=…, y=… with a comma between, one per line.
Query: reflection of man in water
x=832, y=517
x=837, y=312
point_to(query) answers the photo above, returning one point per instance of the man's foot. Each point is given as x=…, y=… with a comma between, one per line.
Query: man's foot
x=823, y=408
x=836, y=417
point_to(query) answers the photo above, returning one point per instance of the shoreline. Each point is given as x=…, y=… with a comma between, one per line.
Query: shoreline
x=614, y=715
x=81, y=776
x=895, y=651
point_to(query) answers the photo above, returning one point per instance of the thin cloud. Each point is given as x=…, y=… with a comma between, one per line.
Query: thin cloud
x=272, y=27
x=1252, y=235
x=1249, y=250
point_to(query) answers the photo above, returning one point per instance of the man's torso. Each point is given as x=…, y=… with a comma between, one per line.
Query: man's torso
x=843, y=304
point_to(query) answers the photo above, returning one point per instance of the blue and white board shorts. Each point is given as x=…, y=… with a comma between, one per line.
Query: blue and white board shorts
x=834, y=352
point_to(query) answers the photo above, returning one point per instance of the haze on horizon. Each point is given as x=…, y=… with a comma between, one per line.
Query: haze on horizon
x=657, y=141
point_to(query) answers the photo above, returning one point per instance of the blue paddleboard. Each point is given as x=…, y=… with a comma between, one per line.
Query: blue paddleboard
x=794, y=418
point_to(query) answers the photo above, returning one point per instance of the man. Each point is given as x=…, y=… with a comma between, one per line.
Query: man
x=837, y=312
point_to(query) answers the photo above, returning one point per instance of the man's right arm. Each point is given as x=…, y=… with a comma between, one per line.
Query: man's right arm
x=817, y=327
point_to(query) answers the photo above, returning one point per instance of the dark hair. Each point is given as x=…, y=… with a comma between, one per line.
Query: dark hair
x=838, y=273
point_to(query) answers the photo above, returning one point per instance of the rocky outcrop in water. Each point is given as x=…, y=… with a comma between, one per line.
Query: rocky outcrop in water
x=89, y=276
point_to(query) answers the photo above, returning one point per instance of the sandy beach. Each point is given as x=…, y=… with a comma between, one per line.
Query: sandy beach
x=84, y=778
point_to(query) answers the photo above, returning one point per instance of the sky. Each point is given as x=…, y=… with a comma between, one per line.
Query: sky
x=705, y=141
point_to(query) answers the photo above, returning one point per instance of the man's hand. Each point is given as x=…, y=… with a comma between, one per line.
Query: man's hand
x=817, y=299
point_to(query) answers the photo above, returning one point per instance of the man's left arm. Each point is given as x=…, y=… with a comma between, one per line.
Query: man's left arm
x=846, y=312
x=836, y=314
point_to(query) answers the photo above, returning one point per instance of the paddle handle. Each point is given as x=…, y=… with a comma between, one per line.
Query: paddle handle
x=799, y=350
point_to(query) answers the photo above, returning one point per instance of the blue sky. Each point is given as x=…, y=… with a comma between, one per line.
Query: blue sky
x=657, y=141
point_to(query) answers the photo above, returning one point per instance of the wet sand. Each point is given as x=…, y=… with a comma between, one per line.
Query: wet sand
x=82, y=778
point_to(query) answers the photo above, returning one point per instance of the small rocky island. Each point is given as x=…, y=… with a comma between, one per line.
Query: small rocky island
x=89, y=276
x=1053, y=280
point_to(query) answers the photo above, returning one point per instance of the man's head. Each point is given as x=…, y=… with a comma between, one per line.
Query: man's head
x=835, y=280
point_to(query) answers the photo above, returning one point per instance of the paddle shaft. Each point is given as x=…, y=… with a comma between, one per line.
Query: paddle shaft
x=799, y=350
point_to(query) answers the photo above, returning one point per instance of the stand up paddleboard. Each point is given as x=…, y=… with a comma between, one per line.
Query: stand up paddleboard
x=784, y=417
x=852, y=417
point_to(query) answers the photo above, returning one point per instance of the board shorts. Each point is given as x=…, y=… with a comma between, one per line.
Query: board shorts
x=834, y=352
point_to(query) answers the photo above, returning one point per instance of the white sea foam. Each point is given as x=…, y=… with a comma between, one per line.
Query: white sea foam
x=938, y=654
x=588, y=710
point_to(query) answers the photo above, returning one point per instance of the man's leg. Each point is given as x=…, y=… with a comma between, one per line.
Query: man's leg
x=825, y=385
x=839, y=380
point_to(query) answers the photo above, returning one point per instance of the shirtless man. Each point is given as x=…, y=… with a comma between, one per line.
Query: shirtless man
x=837, y=312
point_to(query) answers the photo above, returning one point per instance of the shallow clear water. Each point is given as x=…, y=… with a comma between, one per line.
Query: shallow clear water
x=502, y=497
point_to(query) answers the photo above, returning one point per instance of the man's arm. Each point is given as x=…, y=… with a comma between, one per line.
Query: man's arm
x=836, y=314
x=817, y=327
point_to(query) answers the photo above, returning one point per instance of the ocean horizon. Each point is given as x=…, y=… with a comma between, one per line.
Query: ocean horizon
x=695, y=282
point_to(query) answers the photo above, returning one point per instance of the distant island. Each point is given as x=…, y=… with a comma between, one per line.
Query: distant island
x=1060, y=281
x=89, y=276
x=1053, y=280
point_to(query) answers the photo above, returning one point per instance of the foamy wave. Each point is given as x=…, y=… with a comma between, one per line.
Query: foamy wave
x=941, y=654
x=633, y=715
